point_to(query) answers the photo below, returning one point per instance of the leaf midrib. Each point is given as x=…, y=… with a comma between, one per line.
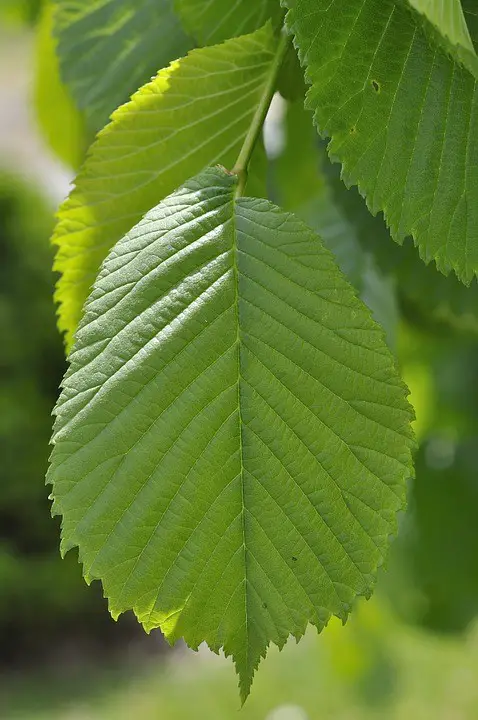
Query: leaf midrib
x=235, y=265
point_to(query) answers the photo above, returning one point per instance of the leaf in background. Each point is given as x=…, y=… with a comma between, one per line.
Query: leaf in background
x=109, y=48
x=403, y=117
x=60, y=122
x=448, y=17
x=19, y=12
x=297, y=171
x=379, y=293
x=301, y=186
x=298, y=185
x=470, y=10
x=215, y=21
x=233, y=441
x=210, y=23
x=436, y=296
x=291, y=83
x=442, y=545
x=193, y=114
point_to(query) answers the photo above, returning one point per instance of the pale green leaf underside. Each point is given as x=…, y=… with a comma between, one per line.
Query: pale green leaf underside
x=109, y=48
x=193, y=114
x=232, y=441
x=213, y=21
x=448, y=17
x=402, y=116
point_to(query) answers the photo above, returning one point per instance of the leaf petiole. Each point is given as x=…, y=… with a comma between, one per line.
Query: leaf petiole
x=242, y=163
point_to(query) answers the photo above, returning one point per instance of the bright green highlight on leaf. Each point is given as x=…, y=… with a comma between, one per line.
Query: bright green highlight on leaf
x=193, y=114
x=232, y=442
x=109, y=48
x=448, y=17
x=402, y=116
x=213, y=21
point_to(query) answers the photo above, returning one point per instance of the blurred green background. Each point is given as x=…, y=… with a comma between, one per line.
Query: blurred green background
x=411, y=652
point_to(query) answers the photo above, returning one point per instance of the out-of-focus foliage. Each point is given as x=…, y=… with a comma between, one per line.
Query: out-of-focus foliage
x=443, y=542
x=470, y=11
x=372, y=669
x=59, y=119
x=20, y=11
x=210, y=23
x=432, y=578
x=39, y=595
x=300, y=179
x=109, y=48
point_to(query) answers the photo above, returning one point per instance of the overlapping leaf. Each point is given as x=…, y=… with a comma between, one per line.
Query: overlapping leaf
x=402, y=115
x=214, y=21
x=193, y=114
x=109, y=48
x=301, y=184
x=297, y=175
x=448, y=17
x=232, y=440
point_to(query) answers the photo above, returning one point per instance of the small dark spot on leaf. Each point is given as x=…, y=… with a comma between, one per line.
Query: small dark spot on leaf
x=353, y=130
x=294, y=558
x=264, y=605
x=376, y=86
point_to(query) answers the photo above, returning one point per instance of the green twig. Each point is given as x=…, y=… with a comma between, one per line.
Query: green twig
x=241, y=167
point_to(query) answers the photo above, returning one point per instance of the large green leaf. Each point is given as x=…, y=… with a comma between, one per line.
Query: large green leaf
x=402, y=115
x=193, y=114
x=109, y=48
x=448, y=17
x=212, y=22
x=232, y=441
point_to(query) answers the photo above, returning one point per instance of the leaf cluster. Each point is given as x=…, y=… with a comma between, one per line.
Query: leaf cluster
x=232, y=443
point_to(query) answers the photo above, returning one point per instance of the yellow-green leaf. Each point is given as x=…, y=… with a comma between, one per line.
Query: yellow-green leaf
x=193, y=114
